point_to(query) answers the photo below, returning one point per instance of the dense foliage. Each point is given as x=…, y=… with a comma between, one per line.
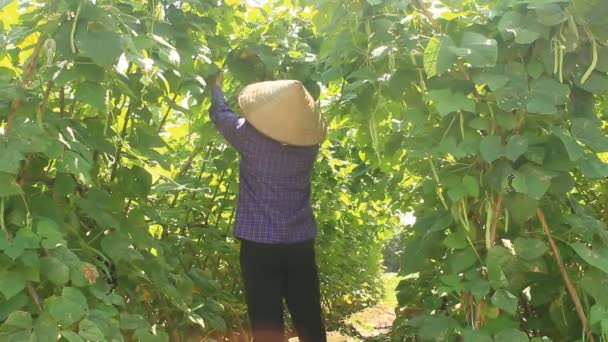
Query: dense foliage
x=500, y=110
x=486, y=117
x=117, y=196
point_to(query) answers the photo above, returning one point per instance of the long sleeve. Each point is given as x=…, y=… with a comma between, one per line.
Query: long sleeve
x=229, y=124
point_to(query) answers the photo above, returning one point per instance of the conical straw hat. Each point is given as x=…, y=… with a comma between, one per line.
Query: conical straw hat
x=284, y=111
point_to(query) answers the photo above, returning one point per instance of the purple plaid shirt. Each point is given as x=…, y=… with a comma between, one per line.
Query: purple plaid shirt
x=274, y=199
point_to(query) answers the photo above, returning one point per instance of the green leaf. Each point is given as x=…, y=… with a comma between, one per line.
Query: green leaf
x=546, y=94
x=422, y=248
x=532, y=181
x=447, y=101
x=92, y=94
x=462, y=260
x=550, y=14
x=71, y=336
x=505, y=301
x=497, y=257
x=469, y=186
x=597, y=257
x=602, y=64
x=10, y=159
x=69, y=308
x=479, y=288
x=78, y=275
x=535, y=70
x=24, y=240
x=482, y=52
x=17, y=327
x=50, y=233
x=134, y=182
x=517, y=145
x=593, y=167
x=511, y=335
x=45, y=329
x=587, y=226
x=132, y=322
x=512, y=97
x=575, y=151
x=437, y=221
x=437, y=56
x=450, y=146
x=75, y=164
x=530, y=249
x=102, y=47
x=88, y=330
x=514, y=24
x=536, y=154
x=19, y=319
x=88, y=71
x=11, y=283
x=491, y=148
x=594, y=283
x=15, y=249
x=589, y=132
x=29, y=136
x=100, y=206
x=483, y=124
x=494, y=81
x=598, y=313
x=4, y=243
x=117, y=247
x=476, y=336
x=597, y=83
x=456, y=240
x=521, y=207
x=64, y=184
x=54, y=270
x=434, y=327
x=8, y=185
x=507, y=121
x=16, y=303
x=29, y=264
x=145, y=335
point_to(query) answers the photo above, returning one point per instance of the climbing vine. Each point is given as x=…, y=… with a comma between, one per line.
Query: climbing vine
x=499, y=110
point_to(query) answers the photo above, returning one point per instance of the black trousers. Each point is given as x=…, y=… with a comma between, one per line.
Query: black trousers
x=272, y=273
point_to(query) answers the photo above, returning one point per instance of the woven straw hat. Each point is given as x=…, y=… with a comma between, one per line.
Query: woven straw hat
x=284, y=111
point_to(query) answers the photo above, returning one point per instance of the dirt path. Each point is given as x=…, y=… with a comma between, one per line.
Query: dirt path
x=374, y=324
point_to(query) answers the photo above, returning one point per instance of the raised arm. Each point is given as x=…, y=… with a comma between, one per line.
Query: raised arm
x=230, y=125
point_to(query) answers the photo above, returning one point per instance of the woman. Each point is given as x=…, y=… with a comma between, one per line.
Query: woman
x=278, y=141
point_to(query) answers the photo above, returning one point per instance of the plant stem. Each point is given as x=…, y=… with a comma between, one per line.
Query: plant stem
x=562, y=268
x=34, y=295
